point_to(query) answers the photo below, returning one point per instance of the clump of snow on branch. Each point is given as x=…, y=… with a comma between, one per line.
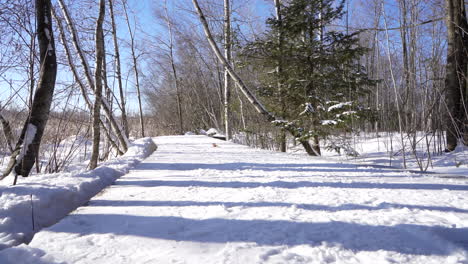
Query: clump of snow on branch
x=339, y=105
x=28, y=139
x=328, y=122
x=308, y=109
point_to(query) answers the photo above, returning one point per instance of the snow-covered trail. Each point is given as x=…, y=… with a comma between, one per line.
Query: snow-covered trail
x=195, y=202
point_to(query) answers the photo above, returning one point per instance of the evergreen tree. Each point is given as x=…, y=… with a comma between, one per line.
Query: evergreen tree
x=322, y=80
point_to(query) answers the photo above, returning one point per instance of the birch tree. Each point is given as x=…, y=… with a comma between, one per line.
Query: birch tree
x=227, y=78
x=79, y=81
x=174, y=69
x=118, y=69
x=116, y=128
x=259, y=107
x=135, y=67
x=26, y=150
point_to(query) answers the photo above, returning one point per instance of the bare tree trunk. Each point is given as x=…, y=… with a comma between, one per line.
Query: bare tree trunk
x=406, y=70
x=174, y=71
x=456, y=79
x=123, y=139
x=7, y=132
x=397, y=100
x=32, y=57
x=279, y=72
x=227, y=78
x=25, y=154
x=135, y=68
x=118, y=70
x=80, y=82
x=289, y=126
x=98, y=88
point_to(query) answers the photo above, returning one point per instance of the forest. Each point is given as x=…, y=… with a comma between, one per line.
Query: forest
x=233, y=131
x=276, y=74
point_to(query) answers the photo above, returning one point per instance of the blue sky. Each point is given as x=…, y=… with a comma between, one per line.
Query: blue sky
x=143, y=13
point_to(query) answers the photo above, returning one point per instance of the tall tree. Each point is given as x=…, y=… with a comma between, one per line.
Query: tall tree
x=279, y=72
x=99, y=39
x=119, y=133
x=292, y=127
x=227, y=78
x=26, y=151
x=173, y=67
x=118, y=69
x=320, y=68
x=81, y=84
x=135, y=67
x=456, y=83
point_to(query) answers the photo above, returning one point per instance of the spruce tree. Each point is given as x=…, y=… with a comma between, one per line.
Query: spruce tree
x=320, y=72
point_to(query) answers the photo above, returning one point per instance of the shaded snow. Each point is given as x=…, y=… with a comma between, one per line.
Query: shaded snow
x=193, y=201
x=55, y=195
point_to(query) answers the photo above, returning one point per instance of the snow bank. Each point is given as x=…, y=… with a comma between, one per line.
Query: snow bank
x=385, y=149
x=191, y=202
x=214, y=133
x=42, y=200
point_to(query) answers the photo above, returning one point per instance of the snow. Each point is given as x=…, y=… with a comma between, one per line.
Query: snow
x=346, y=113
x=193, y=201
x=49, y=49
x=28, y=139
x=212, y=131
x=328, y=122
x=339, y=105
x=53, y=196
x=307, y=109
x=384, y=149
x=47, y=32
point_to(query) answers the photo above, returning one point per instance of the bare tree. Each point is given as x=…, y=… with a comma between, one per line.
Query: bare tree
x=289, y=126
x=118, y=69
x=118, y=131
x=98, y=85
x=7, y=132
x=25, y=154
x=279, y=72
x=80, y=83
x=135, y=66
x=227, y=78
x=174, y=69
x=456, y=73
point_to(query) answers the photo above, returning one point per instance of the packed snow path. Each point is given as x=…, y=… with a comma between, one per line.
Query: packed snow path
x=193, y=201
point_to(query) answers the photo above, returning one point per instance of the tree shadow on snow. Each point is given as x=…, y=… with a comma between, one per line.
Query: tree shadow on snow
x=311, y=207
x=294, y=185
x=312, y=167
x=24, y=254
x=404, y=238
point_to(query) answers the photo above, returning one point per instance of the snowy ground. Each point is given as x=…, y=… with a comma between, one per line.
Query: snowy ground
x=386, y=149
x=42, y=200
x=193, y=201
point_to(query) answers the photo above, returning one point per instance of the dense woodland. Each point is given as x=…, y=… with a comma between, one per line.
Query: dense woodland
x=268, y=73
